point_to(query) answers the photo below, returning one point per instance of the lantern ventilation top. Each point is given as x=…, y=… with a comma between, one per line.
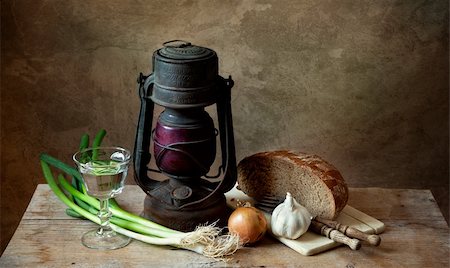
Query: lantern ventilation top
x=179, y=50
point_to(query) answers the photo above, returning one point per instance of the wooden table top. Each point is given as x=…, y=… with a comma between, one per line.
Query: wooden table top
x=416, y=235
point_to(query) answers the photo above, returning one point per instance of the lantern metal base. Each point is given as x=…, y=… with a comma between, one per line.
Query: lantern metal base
x=186, y=219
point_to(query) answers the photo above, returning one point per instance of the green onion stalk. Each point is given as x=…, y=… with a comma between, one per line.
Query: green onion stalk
x=205, y=239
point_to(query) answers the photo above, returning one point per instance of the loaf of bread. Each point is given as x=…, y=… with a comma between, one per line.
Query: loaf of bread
x=312, y=181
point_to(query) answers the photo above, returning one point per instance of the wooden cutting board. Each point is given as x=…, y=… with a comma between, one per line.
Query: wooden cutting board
x=311, y=243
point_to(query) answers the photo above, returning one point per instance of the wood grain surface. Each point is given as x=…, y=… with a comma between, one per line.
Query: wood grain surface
x=416, y=235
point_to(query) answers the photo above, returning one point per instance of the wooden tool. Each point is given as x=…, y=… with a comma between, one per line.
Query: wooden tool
x=335, y=235
x=372, y=239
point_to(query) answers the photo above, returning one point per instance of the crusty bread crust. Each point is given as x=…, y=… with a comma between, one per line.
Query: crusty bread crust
x=312, y=181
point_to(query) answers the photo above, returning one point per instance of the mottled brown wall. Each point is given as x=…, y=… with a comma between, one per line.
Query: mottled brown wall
x=362, y=83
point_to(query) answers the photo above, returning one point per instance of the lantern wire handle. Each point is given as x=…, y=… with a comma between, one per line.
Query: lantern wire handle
x=183, y=43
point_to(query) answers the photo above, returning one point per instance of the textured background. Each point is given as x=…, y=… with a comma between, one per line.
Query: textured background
x=364, y=84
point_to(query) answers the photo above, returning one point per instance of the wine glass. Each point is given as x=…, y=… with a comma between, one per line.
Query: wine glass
x=104, y=170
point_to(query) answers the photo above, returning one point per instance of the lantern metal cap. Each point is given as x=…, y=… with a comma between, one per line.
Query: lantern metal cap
x=185, y=75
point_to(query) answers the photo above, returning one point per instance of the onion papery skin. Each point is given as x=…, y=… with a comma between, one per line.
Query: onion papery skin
x=249, y=223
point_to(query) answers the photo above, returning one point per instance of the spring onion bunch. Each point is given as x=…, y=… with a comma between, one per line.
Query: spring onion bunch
x=205, y=239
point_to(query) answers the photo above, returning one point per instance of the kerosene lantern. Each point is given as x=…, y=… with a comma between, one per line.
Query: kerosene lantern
x=184, y=81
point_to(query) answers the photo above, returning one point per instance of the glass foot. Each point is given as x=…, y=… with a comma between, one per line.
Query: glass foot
x=105, y=241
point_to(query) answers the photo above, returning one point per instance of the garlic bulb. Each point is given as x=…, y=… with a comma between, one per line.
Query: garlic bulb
x=290, y=219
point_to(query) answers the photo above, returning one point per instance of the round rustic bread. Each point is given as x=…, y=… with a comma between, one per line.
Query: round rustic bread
x=312, y=181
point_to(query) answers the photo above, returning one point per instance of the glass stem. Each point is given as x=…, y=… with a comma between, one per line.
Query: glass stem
x=104, y=215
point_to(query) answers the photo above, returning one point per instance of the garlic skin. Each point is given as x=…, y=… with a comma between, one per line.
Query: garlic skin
x=290, y=219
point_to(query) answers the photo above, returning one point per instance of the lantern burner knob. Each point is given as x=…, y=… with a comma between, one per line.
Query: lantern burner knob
x=181, y=193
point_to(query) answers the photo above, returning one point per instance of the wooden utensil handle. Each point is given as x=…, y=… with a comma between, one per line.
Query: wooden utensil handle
x=373, y=239
x=335, y=235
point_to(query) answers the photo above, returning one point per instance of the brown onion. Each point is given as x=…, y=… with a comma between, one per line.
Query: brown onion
x=249, y=223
